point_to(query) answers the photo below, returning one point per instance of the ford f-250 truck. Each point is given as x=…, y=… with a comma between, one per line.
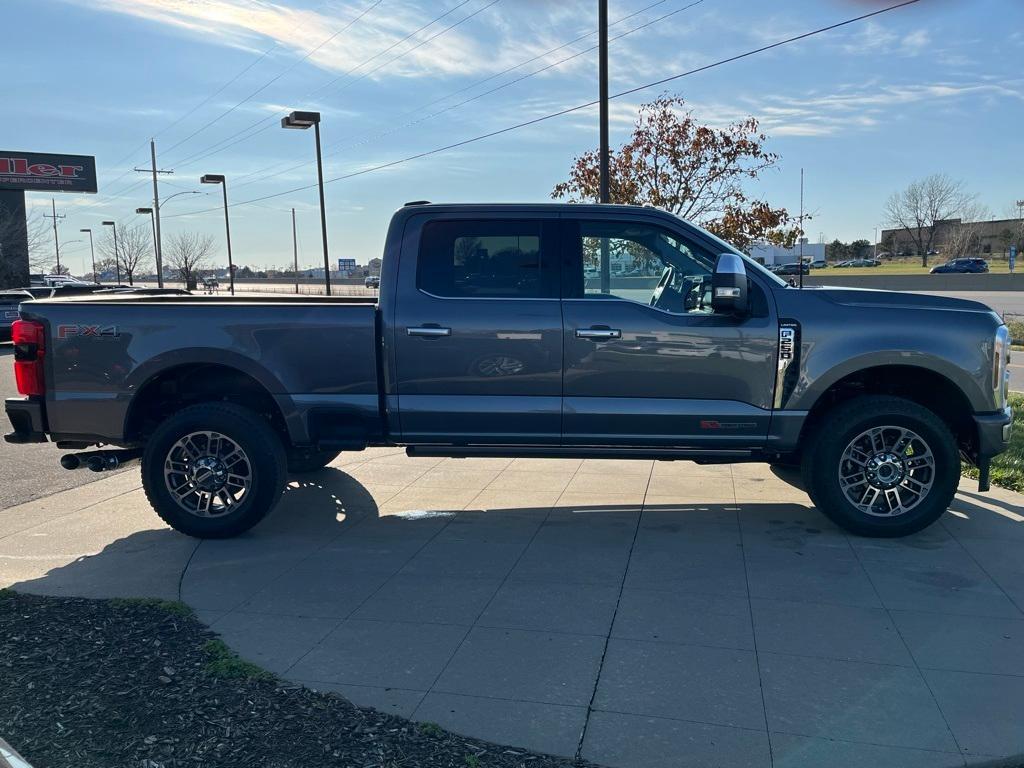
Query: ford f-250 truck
x=526, y=330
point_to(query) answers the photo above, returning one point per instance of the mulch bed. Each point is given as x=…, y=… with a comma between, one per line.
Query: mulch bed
x=144, y=684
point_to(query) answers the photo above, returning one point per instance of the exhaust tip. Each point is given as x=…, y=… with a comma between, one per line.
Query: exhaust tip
x=70, y=461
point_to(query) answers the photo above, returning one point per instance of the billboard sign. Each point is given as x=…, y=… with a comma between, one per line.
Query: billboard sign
x=346, y=266
x=37, y=172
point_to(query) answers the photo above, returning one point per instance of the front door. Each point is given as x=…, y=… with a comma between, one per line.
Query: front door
x=478, y=331
x=647, y=362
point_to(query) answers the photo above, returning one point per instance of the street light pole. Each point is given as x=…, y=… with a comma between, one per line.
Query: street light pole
x=323, y=208
x=295, y=252
x=92, y=251
x=217, y=178
x=302, y=121
x=602, y=40
x=117, y=259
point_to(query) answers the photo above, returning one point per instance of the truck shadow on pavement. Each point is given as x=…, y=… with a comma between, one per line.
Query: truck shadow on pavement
x=711, y=628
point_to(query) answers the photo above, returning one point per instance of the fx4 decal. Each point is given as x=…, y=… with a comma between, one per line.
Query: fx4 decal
x=87, y=331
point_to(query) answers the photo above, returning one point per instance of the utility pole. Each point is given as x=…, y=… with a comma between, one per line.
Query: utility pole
x=602, y=35
x=54, y=216
x=295, y=252
x=800, y=270
x=156, y=209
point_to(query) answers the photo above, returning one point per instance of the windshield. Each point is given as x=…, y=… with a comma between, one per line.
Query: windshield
x=749, y=262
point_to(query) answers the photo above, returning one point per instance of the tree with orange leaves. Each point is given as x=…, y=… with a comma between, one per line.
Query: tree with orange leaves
x=694, y=171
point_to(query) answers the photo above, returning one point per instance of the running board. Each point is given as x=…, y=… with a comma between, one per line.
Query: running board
x=544, y=452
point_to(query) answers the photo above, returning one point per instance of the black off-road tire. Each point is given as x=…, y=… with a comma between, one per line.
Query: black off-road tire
x=824, y=449
x=301, y=461
x=251, y=432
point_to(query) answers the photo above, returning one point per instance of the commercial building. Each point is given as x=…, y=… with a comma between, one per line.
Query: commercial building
x=772, y=255
x=971, y=238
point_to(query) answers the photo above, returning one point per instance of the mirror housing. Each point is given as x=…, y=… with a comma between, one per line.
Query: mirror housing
x=729, y=285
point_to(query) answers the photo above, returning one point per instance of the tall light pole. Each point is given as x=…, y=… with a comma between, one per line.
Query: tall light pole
x=302, y=121
x=156, y=248
x=92, y=250
x=602, y=68
x=217, y=178
x=117, y=259
x=295, y=252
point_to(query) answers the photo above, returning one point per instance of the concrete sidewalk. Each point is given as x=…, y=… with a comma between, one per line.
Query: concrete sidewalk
x=635, y=613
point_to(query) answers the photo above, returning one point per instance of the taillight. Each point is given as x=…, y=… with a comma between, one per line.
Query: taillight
x=29, y=339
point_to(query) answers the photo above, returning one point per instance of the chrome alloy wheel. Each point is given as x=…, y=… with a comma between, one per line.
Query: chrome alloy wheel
x=207, y=474
x=886, y=471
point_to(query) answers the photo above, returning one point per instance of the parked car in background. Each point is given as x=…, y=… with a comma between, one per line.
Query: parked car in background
x=819, y=264
x=971, y=266
x=372, y=281
x=792, y=269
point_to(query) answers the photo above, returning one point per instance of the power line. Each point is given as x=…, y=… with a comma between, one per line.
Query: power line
x=265, y=123
x=219, y=91
x=512, y=82
x=569, y=110
x=276, y=77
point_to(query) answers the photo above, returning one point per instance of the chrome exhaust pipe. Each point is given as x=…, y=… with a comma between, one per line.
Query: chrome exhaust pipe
x=100, y=461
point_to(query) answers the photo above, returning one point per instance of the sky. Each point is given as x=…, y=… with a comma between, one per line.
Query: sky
x=935, y=87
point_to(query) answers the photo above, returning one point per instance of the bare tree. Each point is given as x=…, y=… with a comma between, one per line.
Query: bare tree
x=134, y=248
x=964, y=238
x=920, y=208
x=188, y=253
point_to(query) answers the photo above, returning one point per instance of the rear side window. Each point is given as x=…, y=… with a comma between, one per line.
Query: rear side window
x=487, y=259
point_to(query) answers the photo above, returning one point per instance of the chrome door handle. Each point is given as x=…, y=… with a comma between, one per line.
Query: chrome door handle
x=430, y=331
x=598, y=333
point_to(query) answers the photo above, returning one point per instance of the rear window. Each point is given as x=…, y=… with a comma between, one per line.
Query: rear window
x=486, y=259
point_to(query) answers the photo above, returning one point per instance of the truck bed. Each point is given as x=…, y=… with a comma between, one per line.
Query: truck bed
x=317, y=357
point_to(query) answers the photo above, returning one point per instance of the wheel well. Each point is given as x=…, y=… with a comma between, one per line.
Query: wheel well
x=920, y=385
x=176, y=388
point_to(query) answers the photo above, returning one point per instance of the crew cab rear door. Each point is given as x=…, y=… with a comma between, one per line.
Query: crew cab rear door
x=646, y=360
x=478, y=329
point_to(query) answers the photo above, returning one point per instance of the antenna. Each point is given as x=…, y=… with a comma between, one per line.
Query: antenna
x=800, y=271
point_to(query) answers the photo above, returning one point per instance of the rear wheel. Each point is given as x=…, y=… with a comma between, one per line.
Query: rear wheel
x=881, y=466
x=213, y=470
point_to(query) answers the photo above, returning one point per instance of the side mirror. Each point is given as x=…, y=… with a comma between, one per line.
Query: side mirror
x=729, y=285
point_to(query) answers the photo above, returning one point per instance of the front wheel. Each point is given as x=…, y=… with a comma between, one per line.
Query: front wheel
x=213, y=470
x=881, y=466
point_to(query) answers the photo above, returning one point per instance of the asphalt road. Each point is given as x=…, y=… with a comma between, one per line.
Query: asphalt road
x=30, y=471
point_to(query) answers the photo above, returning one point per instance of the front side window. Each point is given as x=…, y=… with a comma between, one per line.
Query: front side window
x=642, y=263
x=485, y=259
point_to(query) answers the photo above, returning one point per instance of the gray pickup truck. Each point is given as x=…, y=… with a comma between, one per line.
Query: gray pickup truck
x=526, y=330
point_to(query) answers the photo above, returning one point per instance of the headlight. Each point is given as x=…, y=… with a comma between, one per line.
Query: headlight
x=1001, y=366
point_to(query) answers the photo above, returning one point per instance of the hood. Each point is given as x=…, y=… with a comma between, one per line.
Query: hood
x=868, y=297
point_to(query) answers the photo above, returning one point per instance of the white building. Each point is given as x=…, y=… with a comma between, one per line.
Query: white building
x=770, y=255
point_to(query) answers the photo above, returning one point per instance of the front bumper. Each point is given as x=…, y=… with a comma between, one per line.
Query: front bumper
x=994, y=431
x=993, y=438
x=26, y=415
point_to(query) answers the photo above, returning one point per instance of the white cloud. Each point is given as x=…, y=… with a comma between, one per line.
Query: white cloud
x=486, y=42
